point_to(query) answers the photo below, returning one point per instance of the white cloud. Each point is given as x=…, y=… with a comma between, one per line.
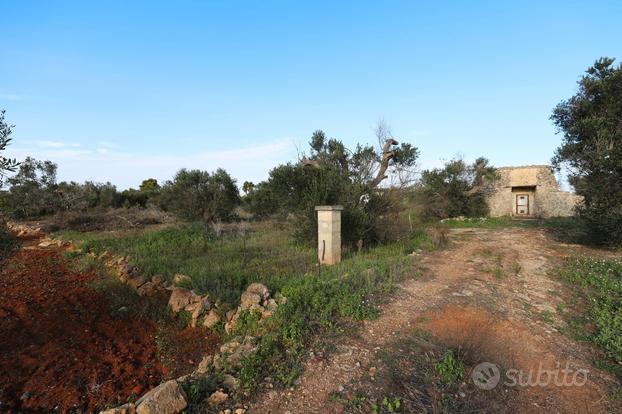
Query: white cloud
x=128, y=169
x=55, y=144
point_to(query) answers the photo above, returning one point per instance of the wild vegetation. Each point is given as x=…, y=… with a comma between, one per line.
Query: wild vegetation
x=599, y=318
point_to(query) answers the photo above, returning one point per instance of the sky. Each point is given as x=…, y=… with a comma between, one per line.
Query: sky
x=122, y=91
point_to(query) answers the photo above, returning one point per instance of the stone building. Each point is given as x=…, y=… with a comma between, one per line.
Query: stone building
x=530, y=192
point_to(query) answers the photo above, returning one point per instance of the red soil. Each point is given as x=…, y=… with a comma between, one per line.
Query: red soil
x=60, y=348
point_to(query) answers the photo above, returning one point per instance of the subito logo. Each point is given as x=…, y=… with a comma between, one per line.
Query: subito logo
x=486, y=376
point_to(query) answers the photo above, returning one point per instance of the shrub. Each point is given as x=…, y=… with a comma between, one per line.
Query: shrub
x=199, y=195
x=457, y=189
x=8, y=242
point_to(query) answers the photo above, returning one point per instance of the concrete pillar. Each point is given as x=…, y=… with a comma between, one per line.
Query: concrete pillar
x=329, y=234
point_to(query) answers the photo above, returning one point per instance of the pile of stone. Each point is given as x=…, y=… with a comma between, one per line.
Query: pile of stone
x=169, y=397
x=255, y=298
x=130, y=275
x=200, y=308
x=23, y=230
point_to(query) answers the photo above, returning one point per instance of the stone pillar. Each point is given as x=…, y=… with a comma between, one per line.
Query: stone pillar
x=329, y=234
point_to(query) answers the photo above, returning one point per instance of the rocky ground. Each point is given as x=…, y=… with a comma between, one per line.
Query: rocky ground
x=490, y=290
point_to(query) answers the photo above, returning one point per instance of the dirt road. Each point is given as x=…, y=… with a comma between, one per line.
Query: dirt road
x=489, y=286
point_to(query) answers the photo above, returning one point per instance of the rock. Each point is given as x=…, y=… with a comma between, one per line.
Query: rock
x=218, y=397
x=239, y=411
x=271, y=305
x=204, y=364
x=147, y=289
x=157, y=280
x=47, y=243
x=128, y=408
x=229, y=347
x=230, y=382
x=248, y=300
x=211, y=319
x=180, y=298
x=136, y=281
x=166, y=398
x=229, y=315
x=180, y=279
x=258, y=289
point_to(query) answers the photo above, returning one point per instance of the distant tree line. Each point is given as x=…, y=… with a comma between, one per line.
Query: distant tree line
x=34, y=192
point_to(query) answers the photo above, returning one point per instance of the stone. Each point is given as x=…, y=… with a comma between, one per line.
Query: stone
x=180, y=298
x=258, y=289
x=211, y=319
x=136, y=281
x=249, y=299
x=47, y=243
x=217, y=397
x=239, y=411
x=157, y=280
x=166, y=398
x=180, y=279
x=128, y=408
x=230, y=382
x=204, y=364
x=271, y=305
x=147, y=289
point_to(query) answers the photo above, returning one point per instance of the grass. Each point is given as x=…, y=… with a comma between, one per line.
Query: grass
x=324, y=299
x=599, y=282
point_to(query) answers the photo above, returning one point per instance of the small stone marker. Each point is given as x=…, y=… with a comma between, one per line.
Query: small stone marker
x=329, y=234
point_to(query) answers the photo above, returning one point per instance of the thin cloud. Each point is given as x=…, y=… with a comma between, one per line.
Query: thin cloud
x=13, y=97
x=129, y=169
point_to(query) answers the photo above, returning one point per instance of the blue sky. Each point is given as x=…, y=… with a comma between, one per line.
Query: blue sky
x=122, y=91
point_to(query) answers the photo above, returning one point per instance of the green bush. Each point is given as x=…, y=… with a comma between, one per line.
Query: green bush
x=456, y=190
x=200, y=196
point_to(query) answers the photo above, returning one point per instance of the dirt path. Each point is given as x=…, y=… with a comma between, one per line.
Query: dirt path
x=489, y=287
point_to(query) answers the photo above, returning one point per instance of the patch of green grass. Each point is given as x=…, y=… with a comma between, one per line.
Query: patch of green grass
x=600, y=282
x=488, y=223
x=561, y=307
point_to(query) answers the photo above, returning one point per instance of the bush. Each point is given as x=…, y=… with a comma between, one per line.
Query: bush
x=8, y=242
x=457, y=189
x=200, y=196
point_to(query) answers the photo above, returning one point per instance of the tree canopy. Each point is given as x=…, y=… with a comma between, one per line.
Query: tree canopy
x=591, y=149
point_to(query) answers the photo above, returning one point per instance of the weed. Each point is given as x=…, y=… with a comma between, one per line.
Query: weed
x=547, y=316
x=450, y=367
x=561, y=306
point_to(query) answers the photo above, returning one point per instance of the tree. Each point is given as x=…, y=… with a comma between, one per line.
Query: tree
x=248, y=187
x=457, y=189
x=332, y=174
x=6, y=164
x=591, y=149
x=199, y=195
x=33, y=189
